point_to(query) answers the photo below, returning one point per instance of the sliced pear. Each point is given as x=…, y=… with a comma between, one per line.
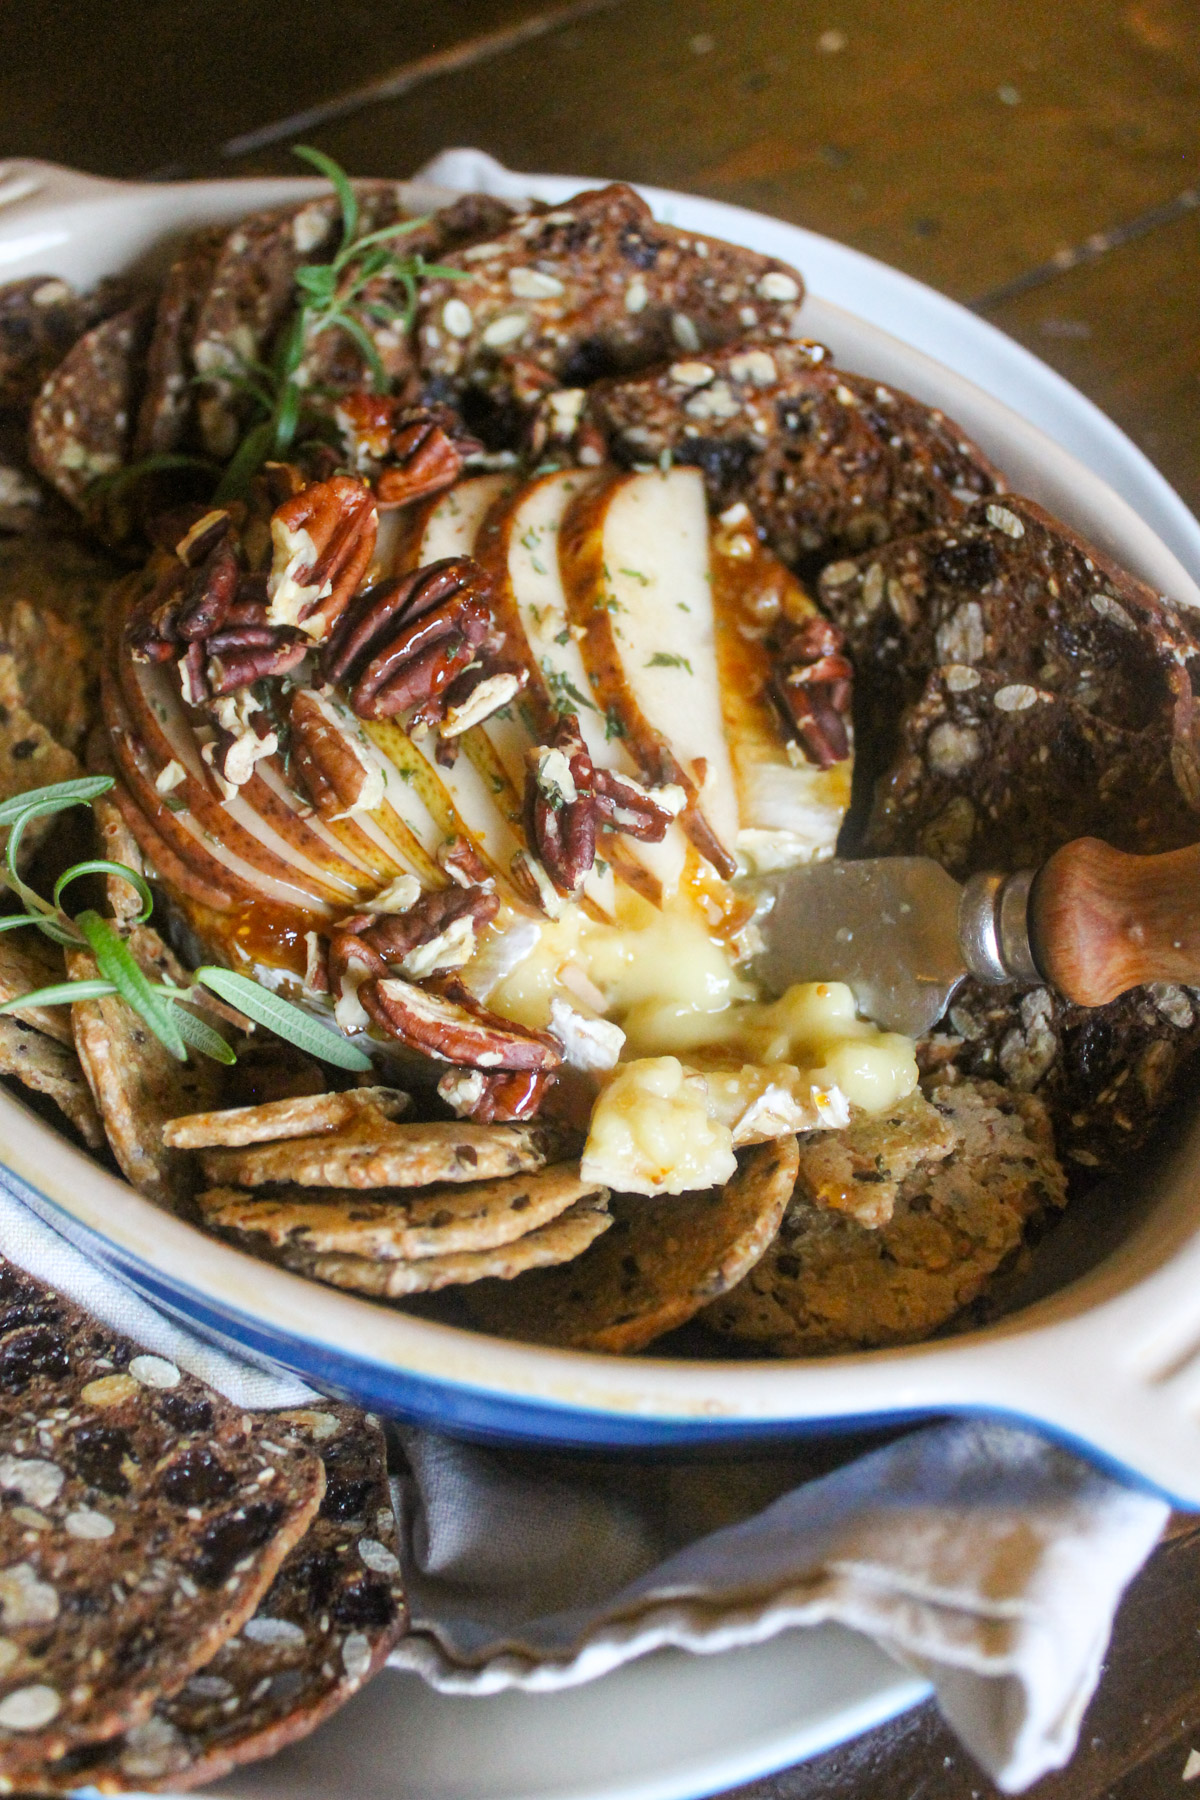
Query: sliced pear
x=635, y=561
x=535, y=591
x=789, y=812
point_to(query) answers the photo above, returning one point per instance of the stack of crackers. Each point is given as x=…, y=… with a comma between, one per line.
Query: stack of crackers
x=183, y=1586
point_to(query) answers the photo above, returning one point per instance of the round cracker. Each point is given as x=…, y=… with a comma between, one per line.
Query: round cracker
x=297, y=1116
x=372, y=1152
x=830, y=1283
x=661, y=1263
x=561, y=1241
x=407, y=1226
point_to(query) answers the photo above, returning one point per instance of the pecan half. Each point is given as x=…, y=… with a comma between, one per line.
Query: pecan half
x=811, y=690
x=406, y=640
x=455, y=1030
x=560, y=805
x=323, y=539
x=334, y=770
x=495, y=1099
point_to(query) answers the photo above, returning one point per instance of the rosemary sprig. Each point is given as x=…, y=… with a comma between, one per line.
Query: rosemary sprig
x=161, y=1005
x=349, y=293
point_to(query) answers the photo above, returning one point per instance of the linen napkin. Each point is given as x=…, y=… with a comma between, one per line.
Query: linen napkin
x=977, y=1554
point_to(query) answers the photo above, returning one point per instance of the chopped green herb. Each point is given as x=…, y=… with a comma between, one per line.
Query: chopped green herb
x=636, y=575
x=563, y=636
x=613, y=728
x=565, y=697
x=667, y=659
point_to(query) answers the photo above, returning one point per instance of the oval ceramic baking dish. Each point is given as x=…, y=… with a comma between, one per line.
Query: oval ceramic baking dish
x=1105, y=1352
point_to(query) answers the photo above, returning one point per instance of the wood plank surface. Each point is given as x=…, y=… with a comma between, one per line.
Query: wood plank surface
x=981, y=148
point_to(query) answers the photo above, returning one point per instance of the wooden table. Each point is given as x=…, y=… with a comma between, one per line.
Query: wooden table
x=1036, y=161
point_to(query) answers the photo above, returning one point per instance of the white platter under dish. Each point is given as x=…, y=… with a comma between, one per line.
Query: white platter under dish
x=1108, y=1358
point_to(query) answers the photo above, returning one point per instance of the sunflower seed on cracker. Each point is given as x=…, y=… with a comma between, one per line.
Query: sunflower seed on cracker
x=662, y=1261
x=146, y=1518
x=561, y=1240
x=136, y=1082
x=45, y=1066
x=375, y=1152
x=402, y=1227
x=324, y=1627
x=302, y=1116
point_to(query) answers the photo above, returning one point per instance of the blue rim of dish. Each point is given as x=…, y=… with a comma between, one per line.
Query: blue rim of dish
x=488, y=1416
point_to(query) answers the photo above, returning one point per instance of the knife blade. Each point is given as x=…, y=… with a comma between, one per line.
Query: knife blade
x=1092, y=923
x=888, y=927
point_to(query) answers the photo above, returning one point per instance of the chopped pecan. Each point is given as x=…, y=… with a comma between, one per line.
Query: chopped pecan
x=414, y=634
x=427, y=453
x=495, y=1099
x=334, y=769
x=455, y=1030
x=236, y=663
x=431, y=937
x=477, y=694
x=811, y=687
x=560, y=805
x=624, y=805
x=323, y=539
x=462, y=862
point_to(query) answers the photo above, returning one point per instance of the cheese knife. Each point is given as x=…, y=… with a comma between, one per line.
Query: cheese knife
x=903, y=934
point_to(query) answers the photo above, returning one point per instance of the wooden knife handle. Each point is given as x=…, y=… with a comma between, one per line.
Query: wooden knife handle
x=1102, y=921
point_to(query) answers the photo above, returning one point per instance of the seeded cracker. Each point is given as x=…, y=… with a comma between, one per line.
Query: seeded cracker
x=168, y=404
x=136, y=1082
x=828, y=462
x=57, y=575
x=29, y=756
x=81, y=423
x=145, y=1518
x=40, y=318
x=660, y=1264
x=829, y=1283
x=276, y=1119
x=50, y=658
x=47, y=1067
x=373, y=1152
x=403, y=1227
x=561, y=1240
x=282, y=1674
x=593, y=287
x=859, y=1170
x=27, y=961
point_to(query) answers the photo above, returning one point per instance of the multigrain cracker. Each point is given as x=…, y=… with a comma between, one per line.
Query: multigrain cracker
x=561, y=1240
x=373, y=1152
x=827, y=461
x=30, y=756
x=829, y=1283
x=82, y=420
x=50, y=656
x=590, y=288
x=400, y=1227
x=169, y=401
x=859, y=1170
x=301, y=1116
x=321, y=1631
x=145, y=1518
x=660, y=1264
x=29, y=960
x=60, y=576
x=46, y=1066
x=136, y=1082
